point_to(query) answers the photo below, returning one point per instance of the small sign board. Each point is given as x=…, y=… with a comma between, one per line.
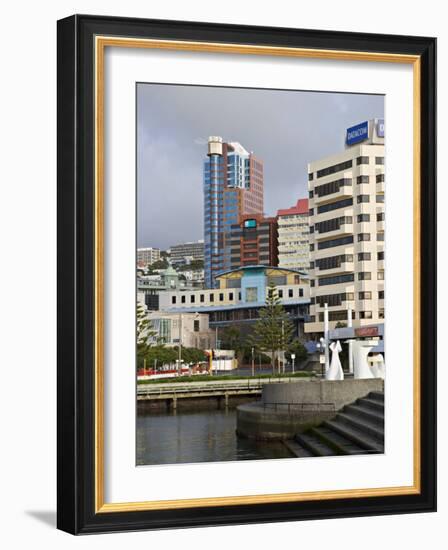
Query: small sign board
x=322, y=359
x=366, y=331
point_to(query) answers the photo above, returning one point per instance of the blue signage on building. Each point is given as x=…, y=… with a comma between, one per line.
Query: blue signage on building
x=357, y=133
x=380, y=127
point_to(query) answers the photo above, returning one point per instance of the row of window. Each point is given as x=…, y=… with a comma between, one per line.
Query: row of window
x=333, y=206
x=282, y=293
x=333, y=224
x=332, y=262
x=331, y=187
x=342, y=315
x=336, y=299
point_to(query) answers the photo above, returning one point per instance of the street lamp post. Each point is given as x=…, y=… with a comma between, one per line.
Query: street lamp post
x=293, y=356
x=253, y=363
x=180, y=345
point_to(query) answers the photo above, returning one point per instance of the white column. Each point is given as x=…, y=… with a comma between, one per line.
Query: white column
x=326, y=338
x=350, y=342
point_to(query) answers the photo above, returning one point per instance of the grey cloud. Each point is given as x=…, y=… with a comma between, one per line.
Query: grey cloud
x=286, y=129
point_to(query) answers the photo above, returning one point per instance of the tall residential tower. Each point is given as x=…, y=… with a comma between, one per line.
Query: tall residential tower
x=233, y=187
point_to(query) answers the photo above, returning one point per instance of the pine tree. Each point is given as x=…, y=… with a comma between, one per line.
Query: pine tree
x=145, y=333
x=273, y=331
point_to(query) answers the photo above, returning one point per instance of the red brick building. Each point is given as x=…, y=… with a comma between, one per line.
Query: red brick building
x=254, y=241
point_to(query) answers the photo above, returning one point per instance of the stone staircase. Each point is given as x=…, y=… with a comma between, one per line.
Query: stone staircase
x=357, y=429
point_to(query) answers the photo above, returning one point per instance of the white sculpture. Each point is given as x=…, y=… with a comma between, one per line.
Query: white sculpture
x=377, y=366
x=335, y=371
x=361, y=367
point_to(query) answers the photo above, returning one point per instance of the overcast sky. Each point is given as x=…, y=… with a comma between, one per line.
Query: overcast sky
x=286, y=129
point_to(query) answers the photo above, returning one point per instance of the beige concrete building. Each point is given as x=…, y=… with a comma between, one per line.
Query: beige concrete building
x=293, y=237
x=346, y=200
x=147, y=256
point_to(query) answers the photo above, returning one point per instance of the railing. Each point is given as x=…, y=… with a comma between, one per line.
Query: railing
x=301, y=407
x=209, y=386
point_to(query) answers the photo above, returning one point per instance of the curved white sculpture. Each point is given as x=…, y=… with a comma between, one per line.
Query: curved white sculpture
x=361, y=367
x=335, y=371
x=377, y=366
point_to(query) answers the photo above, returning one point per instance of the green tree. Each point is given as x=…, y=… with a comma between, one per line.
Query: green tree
x=145, y=333
x=273, y=331
x=159, y=264
x=299, y=351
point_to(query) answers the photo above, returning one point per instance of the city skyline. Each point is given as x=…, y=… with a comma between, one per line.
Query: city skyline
x=285, y=129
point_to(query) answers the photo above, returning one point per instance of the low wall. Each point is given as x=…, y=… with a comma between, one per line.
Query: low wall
x=286, y=409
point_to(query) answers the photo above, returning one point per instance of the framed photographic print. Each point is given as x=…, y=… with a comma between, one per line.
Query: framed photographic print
x=247, y=274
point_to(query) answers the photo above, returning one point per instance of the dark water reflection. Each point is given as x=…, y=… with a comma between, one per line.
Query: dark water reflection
x=206, y=436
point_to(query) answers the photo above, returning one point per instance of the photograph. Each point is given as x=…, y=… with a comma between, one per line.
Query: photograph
x=260, y=273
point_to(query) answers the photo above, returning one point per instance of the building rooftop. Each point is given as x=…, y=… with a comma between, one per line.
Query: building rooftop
x=270, y=270
x=300, y=208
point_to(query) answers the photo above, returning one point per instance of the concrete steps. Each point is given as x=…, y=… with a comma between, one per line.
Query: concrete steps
x=357, y=429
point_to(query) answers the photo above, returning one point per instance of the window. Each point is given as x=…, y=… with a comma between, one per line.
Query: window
x=333, y=261
x=364, y=276
x=381, y=275
x=173, y=299
x=251, y=294
x=182, y=299
x=362, y=160
x=332, y=187
x=337, y=279
x=221, y=297
x=312, y=283
x=381, y=313
x=334, y=242
x=192, y=298
x=201, y=298
x=239, y=296
x=311, y=194
x=363, y=237
x=290, y=293
x=362, y=198
x=333, y=224
x=311, y=229
x=362, y=179
x=310, y=176
x=280, y=293
x=334, y=205
x=364, y=256
x=365, y=295
x=380, y=255
x=379, y=160
x=335, y=168
x=381, y=294
x=300, y=292
x=196, y=325
x=380, y=217
x=380, y=236
x=212, y=297
x=363, y=218
x=365, y=314
x=379, y=178
x=311, y=212
x=380, y=198
x=230, y=295
x=311, y=265
x=334, y=299
x=311, y=247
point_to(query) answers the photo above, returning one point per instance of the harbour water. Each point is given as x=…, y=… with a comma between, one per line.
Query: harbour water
x=197, y=436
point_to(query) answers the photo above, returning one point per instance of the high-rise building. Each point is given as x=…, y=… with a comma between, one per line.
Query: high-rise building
x=254, y=241
x=293, y=237
x=346, y=199
x=233, y=187
x=191, y=250
x=147, y=256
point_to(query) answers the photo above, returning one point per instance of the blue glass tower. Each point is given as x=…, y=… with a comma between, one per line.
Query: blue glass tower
x=233, y=186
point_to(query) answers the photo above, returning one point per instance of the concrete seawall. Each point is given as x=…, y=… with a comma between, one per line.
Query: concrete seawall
x=286, y=409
